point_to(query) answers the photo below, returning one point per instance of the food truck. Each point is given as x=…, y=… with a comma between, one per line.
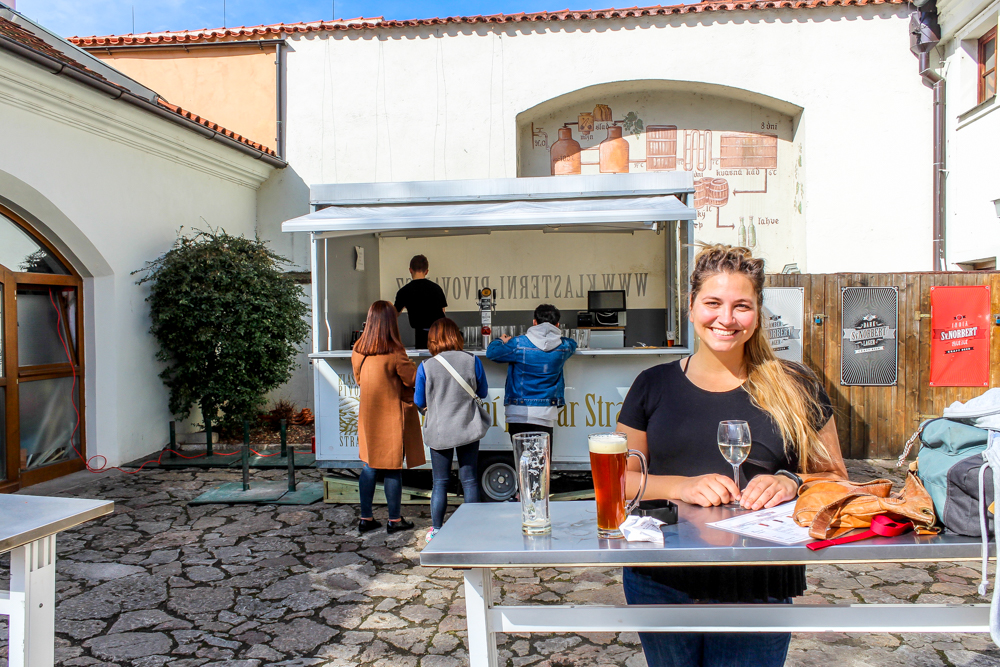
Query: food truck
x=610, y=251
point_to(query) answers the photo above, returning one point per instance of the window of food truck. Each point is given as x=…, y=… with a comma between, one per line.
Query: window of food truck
x=531, y=241
x=523, y=268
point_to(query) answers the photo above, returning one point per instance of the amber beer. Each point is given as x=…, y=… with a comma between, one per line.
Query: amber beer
x=609, y=454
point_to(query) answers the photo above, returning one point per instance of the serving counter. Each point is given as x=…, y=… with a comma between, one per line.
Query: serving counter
x=596, y=384
x=418, y=355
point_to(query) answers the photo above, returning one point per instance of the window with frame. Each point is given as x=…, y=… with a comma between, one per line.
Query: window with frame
x=988, y=65
x=42, y=412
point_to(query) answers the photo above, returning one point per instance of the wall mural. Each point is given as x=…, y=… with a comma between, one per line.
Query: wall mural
x=748, y=176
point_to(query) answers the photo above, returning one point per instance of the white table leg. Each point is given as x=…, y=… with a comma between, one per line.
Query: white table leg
x=479, y=617
x=32, y=604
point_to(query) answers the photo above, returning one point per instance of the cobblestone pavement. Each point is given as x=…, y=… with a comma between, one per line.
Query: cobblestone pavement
x=161, y=583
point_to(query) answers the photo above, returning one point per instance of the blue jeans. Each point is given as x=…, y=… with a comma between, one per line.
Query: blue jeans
x=717, y=649
x=441, y=471
x=392, y=484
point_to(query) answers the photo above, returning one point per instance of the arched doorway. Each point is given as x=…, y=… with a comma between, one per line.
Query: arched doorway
x=41, y=358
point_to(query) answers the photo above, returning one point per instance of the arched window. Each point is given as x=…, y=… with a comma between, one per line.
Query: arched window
x=21, y=251
x=41, y=423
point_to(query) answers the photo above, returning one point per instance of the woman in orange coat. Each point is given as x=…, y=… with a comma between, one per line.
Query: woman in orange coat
x=388, y=423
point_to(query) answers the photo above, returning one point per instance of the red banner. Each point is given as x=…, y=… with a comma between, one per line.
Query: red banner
x=960, y=336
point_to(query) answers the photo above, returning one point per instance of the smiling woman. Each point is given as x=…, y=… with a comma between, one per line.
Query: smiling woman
x=672, y=415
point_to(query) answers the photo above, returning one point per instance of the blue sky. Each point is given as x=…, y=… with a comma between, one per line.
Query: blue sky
x=103, y=17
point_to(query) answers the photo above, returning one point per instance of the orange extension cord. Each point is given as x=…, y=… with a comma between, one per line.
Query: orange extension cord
x=76, y=427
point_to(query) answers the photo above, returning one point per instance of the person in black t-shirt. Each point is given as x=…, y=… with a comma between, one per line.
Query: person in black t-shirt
x=672, y=413
x=423, y=300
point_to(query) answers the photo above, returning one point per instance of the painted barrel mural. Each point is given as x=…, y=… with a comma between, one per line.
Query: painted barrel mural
x=717, y=191
x=701, y=192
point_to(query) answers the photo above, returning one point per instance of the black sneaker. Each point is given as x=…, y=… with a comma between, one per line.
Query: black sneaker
x=365, y=525
x=396, y=526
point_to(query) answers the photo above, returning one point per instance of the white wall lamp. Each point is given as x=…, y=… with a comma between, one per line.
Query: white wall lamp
x=996, y=205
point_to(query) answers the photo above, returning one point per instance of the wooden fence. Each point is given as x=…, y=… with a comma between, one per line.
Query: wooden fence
x=875, y=422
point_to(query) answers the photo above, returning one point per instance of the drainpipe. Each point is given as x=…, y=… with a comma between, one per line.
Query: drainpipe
x=924, y=36
x=279, y=86
x=937, y=84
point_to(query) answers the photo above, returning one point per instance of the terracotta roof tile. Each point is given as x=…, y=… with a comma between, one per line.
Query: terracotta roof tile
x=25, y=37
x=275, y=30
x=17, y=33
x=215, y=126
x=242, y=33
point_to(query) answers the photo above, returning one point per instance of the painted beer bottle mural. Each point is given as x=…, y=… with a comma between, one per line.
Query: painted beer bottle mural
x=565, y=154
x=744, y=159
x=614, y=152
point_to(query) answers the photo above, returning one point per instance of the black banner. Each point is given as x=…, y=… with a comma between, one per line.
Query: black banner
x=868, y=349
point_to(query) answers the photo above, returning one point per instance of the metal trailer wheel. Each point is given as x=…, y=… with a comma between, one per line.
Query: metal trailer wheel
x=497, y=479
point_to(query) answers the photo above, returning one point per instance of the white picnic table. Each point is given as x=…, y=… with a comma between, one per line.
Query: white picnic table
x=28, y=531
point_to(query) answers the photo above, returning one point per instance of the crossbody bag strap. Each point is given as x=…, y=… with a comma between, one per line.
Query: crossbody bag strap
x=458, y=378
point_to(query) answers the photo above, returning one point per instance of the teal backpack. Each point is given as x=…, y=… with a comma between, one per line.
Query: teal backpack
x=949, y=462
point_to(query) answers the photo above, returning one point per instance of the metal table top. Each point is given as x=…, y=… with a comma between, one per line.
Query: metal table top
x=489, y=535
x=30, y=518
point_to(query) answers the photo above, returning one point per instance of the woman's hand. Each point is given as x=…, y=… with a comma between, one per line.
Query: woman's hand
x=708, y=490
x=504, y=338
x=767, y=491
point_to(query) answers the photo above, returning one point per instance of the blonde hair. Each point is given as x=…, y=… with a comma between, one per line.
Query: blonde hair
x=784, y=390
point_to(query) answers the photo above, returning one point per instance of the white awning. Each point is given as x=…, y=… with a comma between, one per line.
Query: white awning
x=557, y=215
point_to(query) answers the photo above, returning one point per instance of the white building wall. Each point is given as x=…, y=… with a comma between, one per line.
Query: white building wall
x=111, y=186
x=973, y=136
x=443, y=102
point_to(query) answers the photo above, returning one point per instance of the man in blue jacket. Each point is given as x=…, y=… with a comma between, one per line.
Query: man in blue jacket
x=535, y=387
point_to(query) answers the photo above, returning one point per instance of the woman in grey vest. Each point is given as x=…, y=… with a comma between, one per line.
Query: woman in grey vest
x=454, y=422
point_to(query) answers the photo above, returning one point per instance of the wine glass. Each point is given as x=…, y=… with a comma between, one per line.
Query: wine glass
x=734, y=443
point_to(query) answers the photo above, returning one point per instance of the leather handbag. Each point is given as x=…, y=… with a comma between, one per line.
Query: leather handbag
x=833, y=507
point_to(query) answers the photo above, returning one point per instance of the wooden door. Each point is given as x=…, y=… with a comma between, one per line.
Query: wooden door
x=49, y=378
x=41, y=358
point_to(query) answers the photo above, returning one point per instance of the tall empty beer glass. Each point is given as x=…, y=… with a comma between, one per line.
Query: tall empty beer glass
x=608, y=455
x=532, y=452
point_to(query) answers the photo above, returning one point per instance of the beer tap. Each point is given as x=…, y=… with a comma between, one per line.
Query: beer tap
x=487, y=301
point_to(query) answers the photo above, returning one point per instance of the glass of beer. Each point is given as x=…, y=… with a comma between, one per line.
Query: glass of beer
x=609, y=453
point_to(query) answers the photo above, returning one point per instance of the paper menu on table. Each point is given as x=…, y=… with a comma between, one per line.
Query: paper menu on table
x=774, y=525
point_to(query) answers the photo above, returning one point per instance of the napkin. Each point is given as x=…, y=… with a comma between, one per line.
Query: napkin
x=642, y=529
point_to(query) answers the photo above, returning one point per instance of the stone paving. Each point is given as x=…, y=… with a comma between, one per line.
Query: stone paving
x=161, y=583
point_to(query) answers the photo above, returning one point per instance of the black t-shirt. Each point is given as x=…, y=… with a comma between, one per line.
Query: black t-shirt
x=423, y=300
x=681, y=423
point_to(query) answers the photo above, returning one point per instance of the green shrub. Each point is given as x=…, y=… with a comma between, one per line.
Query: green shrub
x=227, y=321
